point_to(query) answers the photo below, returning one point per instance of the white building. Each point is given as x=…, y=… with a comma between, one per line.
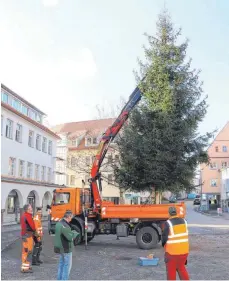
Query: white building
x=27, y=161
x=225, y=189
x=61, y=160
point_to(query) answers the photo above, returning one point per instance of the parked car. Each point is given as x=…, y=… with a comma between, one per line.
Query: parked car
x=172, y=199
x=196, y=201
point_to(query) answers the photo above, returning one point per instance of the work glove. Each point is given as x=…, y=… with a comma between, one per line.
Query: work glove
x=36, y=234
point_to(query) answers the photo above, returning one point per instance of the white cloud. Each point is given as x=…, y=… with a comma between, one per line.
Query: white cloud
x=50, y=3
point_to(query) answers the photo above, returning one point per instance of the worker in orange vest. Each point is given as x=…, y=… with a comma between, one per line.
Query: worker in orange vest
x=28, y=231
x=37, y=240
x=176, y=245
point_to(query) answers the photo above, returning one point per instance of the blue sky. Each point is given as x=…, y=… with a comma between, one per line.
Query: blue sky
x=68, y=56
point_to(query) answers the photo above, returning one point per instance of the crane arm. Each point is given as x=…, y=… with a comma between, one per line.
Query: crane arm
x=105, y=141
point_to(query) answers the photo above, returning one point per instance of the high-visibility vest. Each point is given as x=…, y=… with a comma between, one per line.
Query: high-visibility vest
x=178, y=242
x=38, y=224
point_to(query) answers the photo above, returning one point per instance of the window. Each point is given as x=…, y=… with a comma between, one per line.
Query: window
x=224, y=148
x=4, y=97
x=216, y=149
x=38, y=142
x=37, y=172
x=224, y=164
x=87, y=160
x=31, y=114
x=73, y=161
x=18, y=136
x=21, y=168
x=109, y=159
x=61, y=198
x=2, y=124
x=24, y=109
x=213, y=165
x=11, y=205
x=43, y=171
x=49, y=174
x=110, y=178
x=213, y=182
x=94, y=140
x=72, y=180
x=38, y=118
x=29, y=170
x=88, y=141
x=9, y=129
x=31, y=139
x=12, y=166
x=16, y=105
x=44, y=145
x=50, y=148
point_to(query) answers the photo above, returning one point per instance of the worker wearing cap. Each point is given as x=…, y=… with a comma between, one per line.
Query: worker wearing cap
x=37, y=240
x=176, y=244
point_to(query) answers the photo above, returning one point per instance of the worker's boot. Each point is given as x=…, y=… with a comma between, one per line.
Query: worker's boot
x=34, y=261
x=27, y=270
x=38, y=259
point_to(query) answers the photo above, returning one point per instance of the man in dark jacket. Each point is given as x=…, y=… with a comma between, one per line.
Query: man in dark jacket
x=63, y=245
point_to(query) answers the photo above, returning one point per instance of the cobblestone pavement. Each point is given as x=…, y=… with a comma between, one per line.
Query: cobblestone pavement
x=106, y=258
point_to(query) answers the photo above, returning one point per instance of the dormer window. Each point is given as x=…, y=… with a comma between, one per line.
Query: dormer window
x=91, y=141
x=88, y=141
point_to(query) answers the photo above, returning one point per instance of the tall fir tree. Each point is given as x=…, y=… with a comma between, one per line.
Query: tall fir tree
x=160, y=147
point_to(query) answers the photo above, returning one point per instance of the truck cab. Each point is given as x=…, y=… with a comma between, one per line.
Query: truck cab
x=67, y=199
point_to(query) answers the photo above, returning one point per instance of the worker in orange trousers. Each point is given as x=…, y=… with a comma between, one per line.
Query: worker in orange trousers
x=27, y=232
x=176, y=245
x=37, y=240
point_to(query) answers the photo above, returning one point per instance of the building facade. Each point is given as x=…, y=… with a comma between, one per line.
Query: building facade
x=75, y=154
x=28, y=157
x=225, y=190
x=211, y=175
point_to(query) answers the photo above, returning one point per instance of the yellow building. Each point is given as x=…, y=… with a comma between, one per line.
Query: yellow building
x=76, y=151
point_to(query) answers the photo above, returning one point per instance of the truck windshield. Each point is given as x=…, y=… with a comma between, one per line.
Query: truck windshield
x=61, y=198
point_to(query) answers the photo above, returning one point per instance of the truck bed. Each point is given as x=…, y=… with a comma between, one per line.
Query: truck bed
x=157, y=212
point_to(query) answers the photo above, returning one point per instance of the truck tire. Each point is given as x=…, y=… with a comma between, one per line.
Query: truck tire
x=147, y=238
x=78, y=239
x=90, y=238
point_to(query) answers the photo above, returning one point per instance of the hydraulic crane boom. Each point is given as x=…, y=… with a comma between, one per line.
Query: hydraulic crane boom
x=105, y=141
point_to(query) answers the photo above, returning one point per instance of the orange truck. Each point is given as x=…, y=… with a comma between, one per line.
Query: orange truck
x=93, y=216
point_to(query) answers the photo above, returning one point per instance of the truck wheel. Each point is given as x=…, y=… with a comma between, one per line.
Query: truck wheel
x=78, y=239
x=89, y=239
x=147, y=238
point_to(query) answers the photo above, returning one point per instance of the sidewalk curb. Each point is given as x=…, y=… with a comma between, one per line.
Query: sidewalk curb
x=13, y=241
x=8, y=245
x=207, y=214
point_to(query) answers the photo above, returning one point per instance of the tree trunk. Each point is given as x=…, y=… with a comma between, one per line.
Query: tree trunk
x=122, y=200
